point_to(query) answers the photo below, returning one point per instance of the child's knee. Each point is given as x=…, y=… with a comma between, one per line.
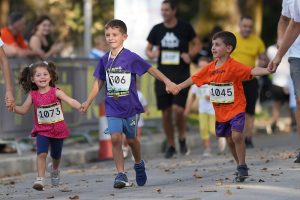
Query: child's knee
x=237, y=137
x=132, y=141
x=116, y=139
x=42, y=155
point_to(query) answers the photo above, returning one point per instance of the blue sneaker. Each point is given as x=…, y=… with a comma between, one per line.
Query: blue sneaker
x=140, y=172
x=121, y=181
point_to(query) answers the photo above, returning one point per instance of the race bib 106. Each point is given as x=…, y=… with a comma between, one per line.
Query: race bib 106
x=49, y=114
x=170, y=57
x=221, y=92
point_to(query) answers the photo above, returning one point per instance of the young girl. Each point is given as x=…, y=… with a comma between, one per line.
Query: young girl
x=38, y=81
x=206, y=113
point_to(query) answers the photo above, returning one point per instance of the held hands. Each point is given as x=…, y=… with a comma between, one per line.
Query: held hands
x=10, y=101
x=172, y=88
x=84, y=106
x=273, y=64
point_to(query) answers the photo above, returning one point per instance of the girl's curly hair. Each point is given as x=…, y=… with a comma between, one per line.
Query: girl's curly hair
x=25, y=79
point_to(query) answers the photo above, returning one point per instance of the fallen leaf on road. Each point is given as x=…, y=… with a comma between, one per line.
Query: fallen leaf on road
x=158, y=190
x=65, y=190
x=239, y=187
x=267, y=161
x=228, y=192
x=274, y=174
x=198, y=176
x=50, y=197
x=76, y=197
x=264, y=169
x=99, y=181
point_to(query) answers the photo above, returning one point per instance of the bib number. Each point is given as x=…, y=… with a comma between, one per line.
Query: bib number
x=170, y=57
x=118, y=83
x=50, y=114
x=221, y=92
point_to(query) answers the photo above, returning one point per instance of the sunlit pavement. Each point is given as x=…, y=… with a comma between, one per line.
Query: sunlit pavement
x=273, y=175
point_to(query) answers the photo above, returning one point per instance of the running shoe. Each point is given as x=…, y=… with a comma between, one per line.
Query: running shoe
x=39, y=184
x=140, y=172
x=183, y=147
x=121, y=181
x=171, y=151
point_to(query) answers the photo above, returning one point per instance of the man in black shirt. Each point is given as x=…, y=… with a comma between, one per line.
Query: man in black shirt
x=169, y=42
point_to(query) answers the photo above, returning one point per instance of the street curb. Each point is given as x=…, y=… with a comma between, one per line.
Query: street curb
x=75, y=155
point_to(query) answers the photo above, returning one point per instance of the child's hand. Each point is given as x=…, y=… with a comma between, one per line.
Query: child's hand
x=84, y=107
x=172, y=88
x=10, y=104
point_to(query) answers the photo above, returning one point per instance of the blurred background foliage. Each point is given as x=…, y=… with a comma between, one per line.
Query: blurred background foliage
x=203, y=14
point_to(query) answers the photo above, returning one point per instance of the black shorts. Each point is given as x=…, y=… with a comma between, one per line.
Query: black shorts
x=279, y=95
x=251, y=88
x=165, y=100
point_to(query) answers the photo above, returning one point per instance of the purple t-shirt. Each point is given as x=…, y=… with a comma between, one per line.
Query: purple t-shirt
x=120, y=88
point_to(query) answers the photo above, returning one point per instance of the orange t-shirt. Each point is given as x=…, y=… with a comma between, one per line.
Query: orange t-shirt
x=9, y=39
x=232, y=72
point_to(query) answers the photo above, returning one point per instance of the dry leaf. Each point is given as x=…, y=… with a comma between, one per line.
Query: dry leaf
x=228, y=192
x=209, y=190
x=50, y=197
x=158, y=190
x=197, y=176
x=65, y=190
x=76, y=197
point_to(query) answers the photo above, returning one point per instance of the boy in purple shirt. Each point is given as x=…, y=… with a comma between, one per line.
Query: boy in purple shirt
x=118, y=69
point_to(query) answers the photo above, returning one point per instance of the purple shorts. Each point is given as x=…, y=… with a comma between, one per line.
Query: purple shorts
x=224, y=129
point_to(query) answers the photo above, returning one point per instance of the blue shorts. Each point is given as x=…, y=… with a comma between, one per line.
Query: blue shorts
x=43, y=143
x=224, y=129
x=128, y=126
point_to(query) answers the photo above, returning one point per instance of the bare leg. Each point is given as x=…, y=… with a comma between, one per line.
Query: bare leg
x=231, y=146
x=275, y=111
x=239, y=144
x=168, y=127
x=116, y=139
x=41, y=164
x=136, y=149
x=249, y=125
x=180, y=121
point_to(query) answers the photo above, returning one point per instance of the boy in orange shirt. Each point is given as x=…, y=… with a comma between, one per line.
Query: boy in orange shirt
x=224, y=76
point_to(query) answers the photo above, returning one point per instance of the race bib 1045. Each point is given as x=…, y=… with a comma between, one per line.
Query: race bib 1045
x=221, y=92
x=49, y=114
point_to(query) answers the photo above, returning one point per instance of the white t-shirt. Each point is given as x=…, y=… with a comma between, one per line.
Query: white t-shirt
x=204, y=105
x=144, y=104
x=1, y=43
x=296, y=11
x=288, y=10
x=282, y=75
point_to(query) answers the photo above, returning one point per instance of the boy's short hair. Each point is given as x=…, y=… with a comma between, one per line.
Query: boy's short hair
x=227, y=37
x=116, y=23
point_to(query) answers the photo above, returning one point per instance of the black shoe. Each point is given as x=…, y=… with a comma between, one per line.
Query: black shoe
x=297, y=160
x=249, y=143
x=170, y=152
x=242, y=173
x=183, y=147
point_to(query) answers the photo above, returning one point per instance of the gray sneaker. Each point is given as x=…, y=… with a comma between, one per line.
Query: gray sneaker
x=54, y=174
